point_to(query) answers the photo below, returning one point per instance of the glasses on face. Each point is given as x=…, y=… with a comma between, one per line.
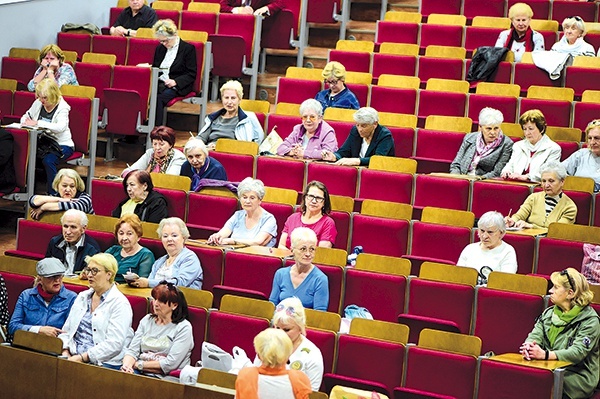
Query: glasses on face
x=331, y=82
x=311, y=118
x=314, y=198
x=566, y=273
x=306, y=249
x=91, y=270
x=164, y=41
x=289, y=310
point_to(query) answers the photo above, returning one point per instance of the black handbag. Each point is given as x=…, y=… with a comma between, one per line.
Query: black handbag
x=46, y=144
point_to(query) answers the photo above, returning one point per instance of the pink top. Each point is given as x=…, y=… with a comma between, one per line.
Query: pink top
x=324, y=228
x=324, y=139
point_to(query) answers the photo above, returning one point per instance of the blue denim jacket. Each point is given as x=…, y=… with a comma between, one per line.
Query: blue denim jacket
x=31, y=310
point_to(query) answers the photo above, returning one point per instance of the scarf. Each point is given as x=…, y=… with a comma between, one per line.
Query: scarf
x=46, y=296
x=560, y=320
x=551, y=202
x=532, y=148
x=483, y=150
x=514, y=37
x=161, y=165
x=196, y=175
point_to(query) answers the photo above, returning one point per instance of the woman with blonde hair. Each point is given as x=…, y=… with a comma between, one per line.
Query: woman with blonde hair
x=70, y=194
x=520, y=38
x=337, y=95
x=53, y=66
x=572, y=40
x=568, y=331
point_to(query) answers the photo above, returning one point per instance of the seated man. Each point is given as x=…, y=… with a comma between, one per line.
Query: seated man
x=366, y=139
x=44, y=308
x=137, y=15
x=73, y=245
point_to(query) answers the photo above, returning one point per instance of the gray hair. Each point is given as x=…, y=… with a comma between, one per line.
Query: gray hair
x=173, y=221
x=250, y=184
x=366, y=115
x=554, y=167
x=574, y=22
x=311, y=105
x=492, y=219
x=194, y=143
x=490, y=117
x=233, y=85
x=302, y=234
x=165, y=27
x=83, y=219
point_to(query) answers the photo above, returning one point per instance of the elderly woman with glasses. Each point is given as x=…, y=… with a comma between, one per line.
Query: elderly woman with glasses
x=484, y=153
x=303, y=279
x=568, y=331
x=572, y=40
x=252, y=225
x=98, y=328
x=520, y=38
x=310, y=138
x=315, y=215
x=548, y=206
x=337, y=95
x=586, y=161
x=163, y=341
x=200, y=165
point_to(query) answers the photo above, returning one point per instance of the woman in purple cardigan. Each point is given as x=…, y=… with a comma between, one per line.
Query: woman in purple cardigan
x=312, y=136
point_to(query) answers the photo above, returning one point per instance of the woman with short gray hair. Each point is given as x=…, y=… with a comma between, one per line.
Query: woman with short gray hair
x=484, y=153
x=200, y=165
x=572, y=40
x=366, y=138
x=490, y=251
x=252, y=225
x=310, y=138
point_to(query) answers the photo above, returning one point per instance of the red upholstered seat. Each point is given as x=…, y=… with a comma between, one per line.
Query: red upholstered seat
x=443, y=68
x=208, y=213
x=291, y=90
x=398, y=186
x=352, y=60
x=198, y=318
x=391, y=238
x=441, y=35
x=435, y=150
x=33, y=238
x=562, y=9
x=221, y=328
x=282, y=173
x=284, y=124
x=238, y=166
x=502, y=380
x=396, y=32
x=440, y=7
x=503, y=198
x=340, y=180
x=555, y=255
x=393, y=99
x=526, y=75
x=507, y=105
x=141, y=51
x=541, y=8
x=199, y=21
x=116, y=45
x=20, y=69
x=78, y=42
x=15, y=284
x=557, y=113
x=393, y=64
x=326, y=342
x=98, y=76
x=106, y=196
x=581, y=78
x=211, y=260
x=342, y=224
x=441, y=192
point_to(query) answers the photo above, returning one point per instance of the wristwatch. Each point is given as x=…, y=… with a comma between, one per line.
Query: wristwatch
x=140, y=365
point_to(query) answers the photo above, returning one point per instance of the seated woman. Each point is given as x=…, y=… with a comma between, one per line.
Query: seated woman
x=273, y=347
x=179, y=266
x=53, y=66
x=303, y=279
x=586, y=161
x=70, y=194
x=572, y=40
x=338, y=95
x=520, y=38
x=490, y=251
x=98, y=328
x=311, y=137
x=163, y=341
x=252, y=225
x=568, y=331
x=50, y=112
x=548, y=206
x=231, y=121
x=366, y=139
x=315, y=215
x=200, y=165
x=162, y=157
x=130, y=255
x=529, y=154
x=148, y=204
x=44, y=308
x=484, y=153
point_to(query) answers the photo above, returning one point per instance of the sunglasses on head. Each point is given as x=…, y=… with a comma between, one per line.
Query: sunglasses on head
x=566, y=273
x=289, y=310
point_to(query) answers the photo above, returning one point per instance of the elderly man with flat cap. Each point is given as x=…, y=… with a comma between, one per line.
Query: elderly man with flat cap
x=44, y=308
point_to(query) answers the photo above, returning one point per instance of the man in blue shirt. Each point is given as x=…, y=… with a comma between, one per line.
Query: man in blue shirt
x=44, y=308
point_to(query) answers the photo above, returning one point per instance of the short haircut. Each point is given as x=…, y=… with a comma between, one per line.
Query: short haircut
x=492, y=219
x=165, y=27
x=163, y=133
x=583, y=294
x=554, y=167
x=168, y=293
x=250, y=184
x=142, y=177
x=195, y=143
x=520, y=9
x=366, y=115
x=273, y=347
x=574, y=22
x=302, y=234
x=289, y=311
x=173, y=221
x=71, y=174
x=132, y=220
x=233, y=85
x=334, y=69
x=54, y=49
x=83, y=219
x=107, y=261
x=536, y=117
x=490, y=117
x=48, y=88
x=311, y=105
x=326, y=203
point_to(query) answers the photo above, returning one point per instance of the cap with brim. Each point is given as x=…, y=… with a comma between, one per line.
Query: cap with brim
x=50, y=267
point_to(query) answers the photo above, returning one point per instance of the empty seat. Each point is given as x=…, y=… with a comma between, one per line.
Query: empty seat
x=208, y=213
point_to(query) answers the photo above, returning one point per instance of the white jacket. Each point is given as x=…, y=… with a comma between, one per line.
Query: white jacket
x=111, y=324
x=59, y=126
x=548, y=151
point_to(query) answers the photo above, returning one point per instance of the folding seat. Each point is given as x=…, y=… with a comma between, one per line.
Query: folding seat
x=281, y=212
x=397, y=177
x=199, y=21
x=208, y=213
x=33, y=238
x=20, y=162
x=355, y=55
x=370, y=357
x=427, y=7
x=474, y=8
x=435, y=150
x=386, y=99
x=396, y=32
x=15, y=284
x=104, y=239
x=238, y=166
x=283, y=124
x=176, y=202
x=587, y=109
x=290, y=90
x=197, y=317
x=583, y=75
x=436, y=286
x=342, y=130
x=503, y=97
x=452, y=358
x=340, y=180
x=7, y=88
x=112, y=18
x=139, y=306
x=555, y=104
x=79, y=42
x=22, y=100
x=562, y=9
x=498, y=196
x=567, y=148
x=477, y=36
x=442, y=192
x=442, y=30
x=506, y=302
x=441, y=68
x=377, y=283
x=94, y=75
x=153, y=245
x=283, y=173
x=541, y=8
x=525, y=247
x=141, y=50
x=557, y=254
x=393, y=64
x=173, y=15
x=527, y=74
x=596, y=217
x=106, y=196
x=326, y=341
x=222, y=324
x=20, y=69
x=116, y=45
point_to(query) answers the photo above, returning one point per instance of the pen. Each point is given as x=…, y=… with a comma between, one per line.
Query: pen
x=509, y=212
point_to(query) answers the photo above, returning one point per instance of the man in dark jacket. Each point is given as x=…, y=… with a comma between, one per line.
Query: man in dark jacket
x=73, y=245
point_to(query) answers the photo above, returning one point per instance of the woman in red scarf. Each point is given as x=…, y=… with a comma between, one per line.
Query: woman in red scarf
x=520, y=37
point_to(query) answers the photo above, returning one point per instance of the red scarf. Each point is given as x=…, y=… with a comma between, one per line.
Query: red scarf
x=514, y=36
x=46, y=296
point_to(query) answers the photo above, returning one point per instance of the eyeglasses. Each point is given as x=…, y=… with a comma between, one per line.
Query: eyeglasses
x=289, y=310
x=312, y=118
x=306, y=249
x=331, y=82
x=91, y=270
x=566, y=273
x=164, y=41
x=311, y=198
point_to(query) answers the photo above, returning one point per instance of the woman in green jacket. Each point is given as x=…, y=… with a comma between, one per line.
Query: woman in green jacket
x=568, y=331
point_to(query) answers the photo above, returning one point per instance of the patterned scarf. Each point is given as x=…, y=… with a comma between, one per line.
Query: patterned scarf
x=482, y=150
x=514, y=37
x=160, y=165
x=551, y=202
x=560, y=320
